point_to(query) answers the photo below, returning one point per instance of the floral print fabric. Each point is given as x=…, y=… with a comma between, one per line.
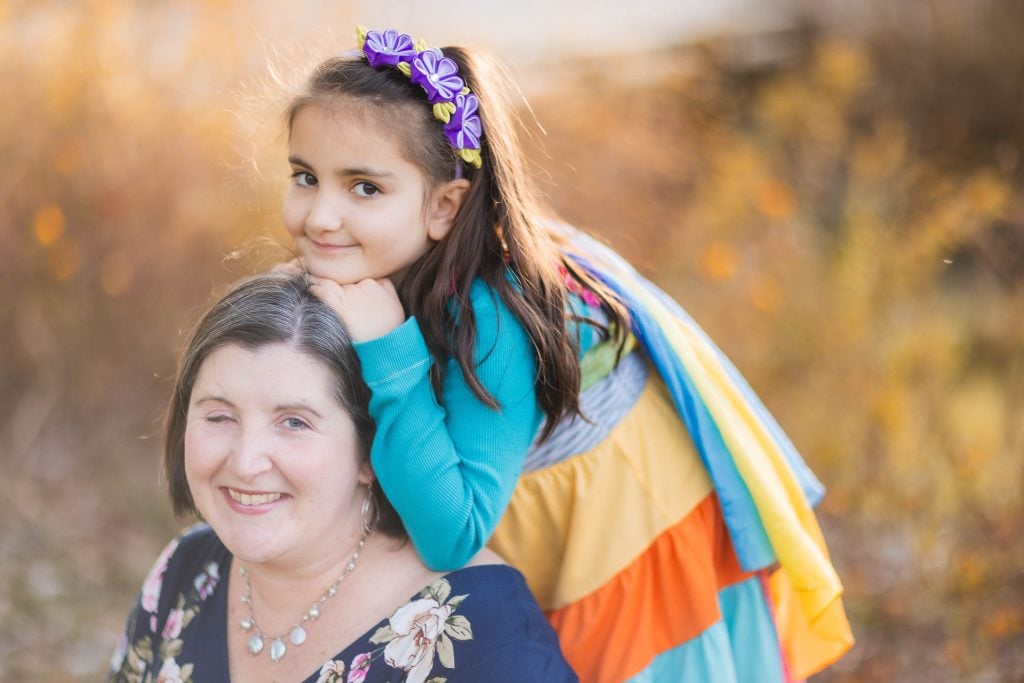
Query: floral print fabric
x=478, y=623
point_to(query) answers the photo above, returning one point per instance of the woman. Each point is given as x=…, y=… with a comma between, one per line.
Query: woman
x=302, y=571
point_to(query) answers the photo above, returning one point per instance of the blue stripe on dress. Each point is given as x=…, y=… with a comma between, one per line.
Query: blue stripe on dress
x=750, y=540
x=603, y=405
x=813, y=489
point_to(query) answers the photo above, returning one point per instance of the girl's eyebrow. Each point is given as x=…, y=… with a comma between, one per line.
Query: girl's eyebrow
x=345, y=172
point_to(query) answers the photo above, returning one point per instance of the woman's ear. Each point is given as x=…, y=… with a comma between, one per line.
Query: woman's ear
x=365, y=476
x=444, y=206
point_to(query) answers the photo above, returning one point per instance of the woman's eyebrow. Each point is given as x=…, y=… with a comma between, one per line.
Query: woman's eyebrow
x=217, y=399
x=297, y=406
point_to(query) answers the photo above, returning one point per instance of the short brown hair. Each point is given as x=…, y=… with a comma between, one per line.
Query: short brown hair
x=272, y=309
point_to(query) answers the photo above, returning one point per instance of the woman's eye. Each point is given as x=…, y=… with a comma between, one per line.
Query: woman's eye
x=304, y=179
x=218, y=418
x=295, y=424
x=365, y=189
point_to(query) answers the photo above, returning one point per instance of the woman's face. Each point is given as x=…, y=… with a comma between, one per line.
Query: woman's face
x=271, y=458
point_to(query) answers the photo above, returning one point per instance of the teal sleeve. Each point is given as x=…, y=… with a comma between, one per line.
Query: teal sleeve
x=449, y=469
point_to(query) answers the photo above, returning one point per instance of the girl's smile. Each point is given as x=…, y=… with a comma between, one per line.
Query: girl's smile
x=356, y=208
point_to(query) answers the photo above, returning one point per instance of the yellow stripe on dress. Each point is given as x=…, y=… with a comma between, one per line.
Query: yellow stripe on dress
x=573, y=526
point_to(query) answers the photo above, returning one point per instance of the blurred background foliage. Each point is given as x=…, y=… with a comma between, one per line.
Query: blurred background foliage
x=838, y=203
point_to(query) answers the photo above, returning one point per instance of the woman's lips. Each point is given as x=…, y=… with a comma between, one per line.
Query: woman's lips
x=252, y=502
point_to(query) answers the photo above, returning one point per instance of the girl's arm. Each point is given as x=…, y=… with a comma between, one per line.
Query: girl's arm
x=449, y=470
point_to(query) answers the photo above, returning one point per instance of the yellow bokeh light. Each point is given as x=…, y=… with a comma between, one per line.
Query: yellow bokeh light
x=720, y=260
x=765, y=295
x=775, y=200
x=48, y=224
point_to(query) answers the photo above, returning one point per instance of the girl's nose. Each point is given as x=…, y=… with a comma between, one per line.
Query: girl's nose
x=326, y=213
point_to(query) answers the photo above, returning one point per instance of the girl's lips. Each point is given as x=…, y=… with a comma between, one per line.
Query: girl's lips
x=331, y=247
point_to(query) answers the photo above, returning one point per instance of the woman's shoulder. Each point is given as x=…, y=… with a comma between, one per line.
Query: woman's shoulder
x=477, y=623
x=498, y=614
x=194, y=552
x=196, y=544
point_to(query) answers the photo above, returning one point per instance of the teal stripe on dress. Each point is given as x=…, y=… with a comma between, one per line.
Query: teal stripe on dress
x=741, y=648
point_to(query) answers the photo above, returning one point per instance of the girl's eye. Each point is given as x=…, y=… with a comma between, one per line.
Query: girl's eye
x=304, y=179
x=218, y=418
x=295, y=424
x=365, y=189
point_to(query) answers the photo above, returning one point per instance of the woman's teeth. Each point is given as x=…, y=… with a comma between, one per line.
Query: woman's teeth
x=253, y=499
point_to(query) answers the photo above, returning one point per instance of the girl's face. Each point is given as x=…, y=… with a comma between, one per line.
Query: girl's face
x=356, y=207
x=271, y=457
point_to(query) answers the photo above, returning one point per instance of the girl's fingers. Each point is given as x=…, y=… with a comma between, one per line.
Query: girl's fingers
x=330, y=296
x=287, y=268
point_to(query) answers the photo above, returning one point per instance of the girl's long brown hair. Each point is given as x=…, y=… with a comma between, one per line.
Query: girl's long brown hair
x=500, y=228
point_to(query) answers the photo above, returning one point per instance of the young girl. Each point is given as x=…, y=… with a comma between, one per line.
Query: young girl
x=534, y=393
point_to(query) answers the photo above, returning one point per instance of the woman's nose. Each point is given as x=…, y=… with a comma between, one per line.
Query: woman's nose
x=251, y=455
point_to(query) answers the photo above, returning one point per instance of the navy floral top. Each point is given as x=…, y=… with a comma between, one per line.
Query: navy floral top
x=475, y=624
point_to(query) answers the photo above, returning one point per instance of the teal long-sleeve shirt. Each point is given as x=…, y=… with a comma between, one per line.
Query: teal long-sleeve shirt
x=449, y=470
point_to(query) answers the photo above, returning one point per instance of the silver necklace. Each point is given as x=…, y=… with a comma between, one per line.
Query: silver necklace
x=297, y=635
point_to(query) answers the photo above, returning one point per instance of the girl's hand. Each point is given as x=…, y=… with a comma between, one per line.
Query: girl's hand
x=369, y=308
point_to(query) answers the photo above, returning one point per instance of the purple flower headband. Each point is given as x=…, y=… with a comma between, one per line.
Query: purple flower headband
x=452, y=102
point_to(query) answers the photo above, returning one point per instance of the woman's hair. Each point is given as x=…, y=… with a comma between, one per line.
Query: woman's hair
x=259, y=311
x=500, y=227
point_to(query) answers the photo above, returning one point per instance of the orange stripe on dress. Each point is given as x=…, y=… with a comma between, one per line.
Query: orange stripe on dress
x=664, y=598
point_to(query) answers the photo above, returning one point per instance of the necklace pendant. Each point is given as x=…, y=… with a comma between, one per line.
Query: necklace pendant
x=246, y=624
x=297, y=636
x=277, y=649
x=255, y=644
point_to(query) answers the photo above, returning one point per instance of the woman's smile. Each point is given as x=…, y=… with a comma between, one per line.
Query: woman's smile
x=251, y=502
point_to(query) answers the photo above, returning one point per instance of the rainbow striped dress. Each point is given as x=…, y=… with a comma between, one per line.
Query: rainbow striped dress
x=671, y=536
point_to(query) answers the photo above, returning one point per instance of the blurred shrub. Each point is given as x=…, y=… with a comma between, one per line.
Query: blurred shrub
x=844, y=215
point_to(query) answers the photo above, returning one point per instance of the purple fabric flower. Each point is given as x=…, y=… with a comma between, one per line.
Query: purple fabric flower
x=388, y=48
x=437, y=75
x=464, y=129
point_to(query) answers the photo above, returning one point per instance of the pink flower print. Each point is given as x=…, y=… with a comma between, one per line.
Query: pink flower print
x=418, y=625
x=172, y=629
x=170, y=672
x=359, y=668
x=331, y=672
x=155, y=578
x=207, y=580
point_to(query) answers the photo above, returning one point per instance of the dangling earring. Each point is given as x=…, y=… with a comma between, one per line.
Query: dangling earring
x=369, y=521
